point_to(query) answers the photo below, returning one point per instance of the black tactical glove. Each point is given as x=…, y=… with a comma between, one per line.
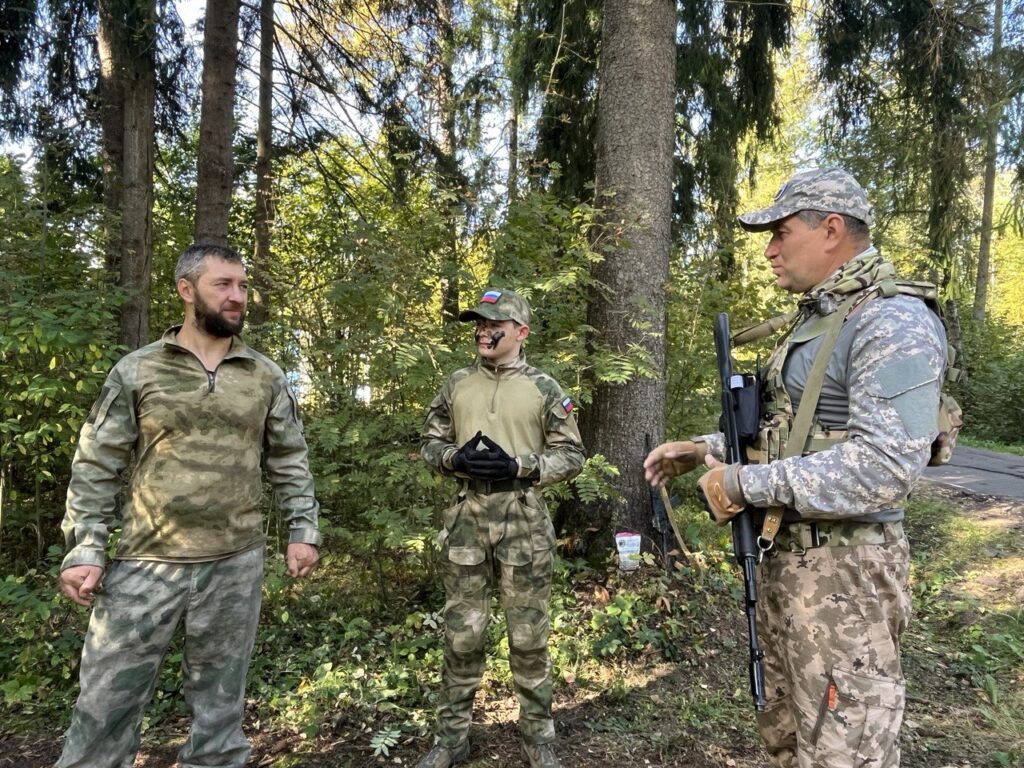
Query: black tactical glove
x=460, y=461
x=492, y=464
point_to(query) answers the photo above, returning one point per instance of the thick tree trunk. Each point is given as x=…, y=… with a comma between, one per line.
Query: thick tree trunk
x=991, y=148
x=634, y=167
x=216, y=126
x=260, y=274
x=128, y=97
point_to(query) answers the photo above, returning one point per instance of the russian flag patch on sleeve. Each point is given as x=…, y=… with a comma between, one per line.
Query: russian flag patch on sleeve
x=491, y=297
x=568, y=405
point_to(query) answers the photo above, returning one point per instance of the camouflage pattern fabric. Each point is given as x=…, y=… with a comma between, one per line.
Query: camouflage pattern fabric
x=505, y=537
x=518, y=406
x=829, y=190
x=508, y=538
x=892, y=375
x=198, y=440
x=497, y=304
x=831, y=620
x=134, y=618
x=831, y=616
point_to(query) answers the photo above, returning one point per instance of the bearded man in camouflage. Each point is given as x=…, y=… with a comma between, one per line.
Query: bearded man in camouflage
x=504, y=429
x=834, y=596
x=199, y=411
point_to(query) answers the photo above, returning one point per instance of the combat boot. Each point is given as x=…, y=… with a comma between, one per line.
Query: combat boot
x=443, y=757
x=541, y=756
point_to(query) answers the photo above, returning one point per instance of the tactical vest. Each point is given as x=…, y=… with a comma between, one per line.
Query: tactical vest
x=783, y=432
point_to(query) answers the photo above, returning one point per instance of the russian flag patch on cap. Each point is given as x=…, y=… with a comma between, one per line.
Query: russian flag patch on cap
x=568, y=405
x=491, y=297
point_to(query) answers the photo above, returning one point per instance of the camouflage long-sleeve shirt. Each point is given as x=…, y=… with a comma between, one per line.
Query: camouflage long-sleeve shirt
x=198, y=441
x=519, y=407
x=884, y=376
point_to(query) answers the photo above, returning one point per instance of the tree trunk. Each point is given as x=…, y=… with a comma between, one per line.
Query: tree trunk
x=216, y=126
x=110, y=46
x=513, y=122
x=127, y=99
x=634, y=186
x=447, y=162
x=260, y=307
x=991, y=148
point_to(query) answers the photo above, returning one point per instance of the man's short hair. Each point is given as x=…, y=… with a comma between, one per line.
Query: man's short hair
x=857, y=229
x=190, y=264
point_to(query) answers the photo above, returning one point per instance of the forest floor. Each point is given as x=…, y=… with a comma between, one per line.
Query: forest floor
x=964, y=661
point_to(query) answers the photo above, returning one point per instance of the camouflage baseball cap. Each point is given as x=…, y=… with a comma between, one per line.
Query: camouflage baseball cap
x=499, y=305
x=830, y=190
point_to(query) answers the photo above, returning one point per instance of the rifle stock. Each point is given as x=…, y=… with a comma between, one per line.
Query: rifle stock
x=744, y=536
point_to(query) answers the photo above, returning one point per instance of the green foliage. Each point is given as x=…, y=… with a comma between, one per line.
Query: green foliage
x=56, y=345
x=990, y=395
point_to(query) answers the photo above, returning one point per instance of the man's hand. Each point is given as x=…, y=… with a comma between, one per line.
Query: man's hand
x=301, y=559
x=492, y=464
x=460, y=460
x=721, y=490
x=671, y=459
x=80, y=583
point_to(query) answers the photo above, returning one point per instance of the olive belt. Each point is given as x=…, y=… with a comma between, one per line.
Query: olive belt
x=494, y=486
x=799, y=537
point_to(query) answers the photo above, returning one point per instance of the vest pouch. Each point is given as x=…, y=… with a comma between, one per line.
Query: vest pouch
x=747, y=399
x=951, y=420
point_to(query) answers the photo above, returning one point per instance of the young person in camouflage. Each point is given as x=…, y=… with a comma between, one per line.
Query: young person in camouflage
x=504, y=429
x=834, y=597
x=199, y=411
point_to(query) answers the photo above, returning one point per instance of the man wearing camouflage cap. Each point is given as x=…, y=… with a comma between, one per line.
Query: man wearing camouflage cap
x=829, y=479
x=504, y=430
x=199, y=411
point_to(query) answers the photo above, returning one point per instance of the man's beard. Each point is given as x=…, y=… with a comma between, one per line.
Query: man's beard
x=214, y=323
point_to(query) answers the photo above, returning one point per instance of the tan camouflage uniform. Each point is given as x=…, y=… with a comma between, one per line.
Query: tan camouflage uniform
x=503, y=535
x=191, y=544
x=834, y=598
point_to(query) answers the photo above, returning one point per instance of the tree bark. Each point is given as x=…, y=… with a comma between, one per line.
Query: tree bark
x=447, y=161
x=634, y=186
x=216, y=125
x=260, y=276
x=513, y=122
x=127, y=101
x=991, y=149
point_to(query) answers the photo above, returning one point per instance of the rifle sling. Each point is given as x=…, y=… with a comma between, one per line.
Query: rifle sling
x=805, y=413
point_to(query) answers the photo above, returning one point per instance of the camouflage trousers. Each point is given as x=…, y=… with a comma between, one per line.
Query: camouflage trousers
x=508, y=538
x=830, y=620
x=133, y=620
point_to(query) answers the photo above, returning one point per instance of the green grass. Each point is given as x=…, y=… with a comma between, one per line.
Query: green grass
x=991, y=445
x=965, y=648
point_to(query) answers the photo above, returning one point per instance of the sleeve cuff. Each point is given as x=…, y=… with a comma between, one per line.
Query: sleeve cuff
x=733, y=487
x=304, y=535
x=84, y=556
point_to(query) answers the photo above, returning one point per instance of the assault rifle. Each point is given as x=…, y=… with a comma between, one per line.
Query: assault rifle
x=740, y=399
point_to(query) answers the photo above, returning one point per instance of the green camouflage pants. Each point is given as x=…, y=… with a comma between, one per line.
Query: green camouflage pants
x=506, y=537
x=135, y=615
x=830, y=621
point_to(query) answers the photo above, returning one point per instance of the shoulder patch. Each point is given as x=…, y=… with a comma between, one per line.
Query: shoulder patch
x=568, y=404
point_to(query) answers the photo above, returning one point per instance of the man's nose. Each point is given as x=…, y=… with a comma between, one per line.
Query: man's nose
x=238, y=294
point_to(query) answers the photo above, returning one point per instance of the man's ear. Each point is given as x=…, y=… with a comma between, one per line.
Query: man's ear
x=835, y=227
x=522, y=332
x=186, y=290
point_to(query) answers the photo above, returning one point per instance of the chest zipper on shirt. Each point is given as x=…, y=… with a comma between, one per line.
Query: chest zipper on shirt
x=494, y=397
x=211, y=380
